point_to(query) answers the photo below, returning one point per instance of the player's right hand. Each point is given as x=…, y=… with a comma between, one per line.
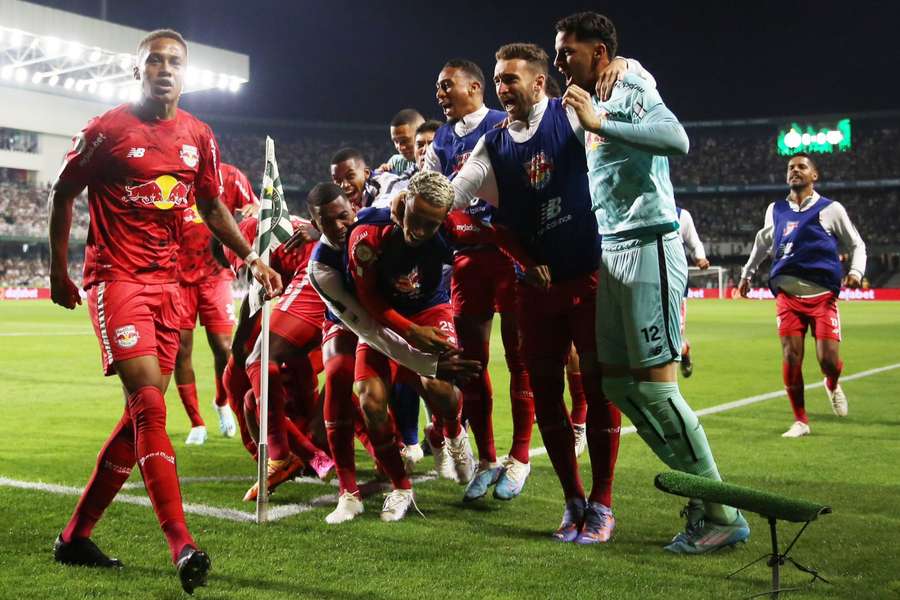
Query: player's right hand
x=702, y=264
x=64, y=292
x=267, y=277
x=538, y=276
x=744, y=287
x=454, y=369
x=428, y=339
x=304, y=234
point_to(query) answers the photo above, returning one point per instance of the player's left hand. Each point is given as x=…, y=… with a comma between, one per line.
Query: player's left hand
x=853, y=282
x=451, y=367
x=580, y=101
x=610, y=74
x=702, y=264
x=268, y=277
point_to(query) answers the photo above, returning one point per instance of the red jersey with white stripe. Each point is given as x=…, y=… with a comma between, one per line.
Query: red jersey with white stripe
x=196, y=262
x=141, y=176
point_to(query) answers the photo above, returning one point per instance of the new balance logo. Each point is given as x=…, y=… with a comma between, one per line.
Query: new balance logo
x=551, y=209
x=136, y=153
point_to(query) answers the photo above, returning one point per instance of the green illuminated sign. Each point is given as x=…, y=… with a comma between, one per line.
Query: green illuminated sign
x=807, y=138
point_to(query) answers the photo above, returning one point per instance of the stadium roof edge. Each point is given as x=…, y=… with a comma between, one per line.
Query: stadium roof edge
x=44, y=21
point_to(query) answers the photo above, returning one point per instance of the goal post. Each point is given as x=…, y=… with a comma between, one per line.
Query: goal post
x=711, y=278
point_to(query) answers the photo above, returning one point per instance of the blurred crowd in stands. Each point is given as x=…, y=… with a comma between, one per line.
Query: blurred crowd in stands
x=726, y=222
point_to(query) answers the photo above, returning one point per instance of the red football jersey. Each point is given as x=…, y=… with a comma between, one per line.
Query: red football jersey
x=285, y=263
x=196, y=262
x=140, y=177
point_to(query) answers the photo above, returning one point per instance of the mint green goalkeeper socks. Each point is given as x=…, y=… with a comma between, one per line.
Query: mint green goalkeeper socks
x=684, y=437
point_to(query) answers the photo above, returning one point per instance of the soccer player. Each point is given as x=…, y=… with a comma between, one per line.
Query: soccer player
x=347, y=322
x=643, y=270
x=206, y=292
x=424, y=138
x=534, y=172
x=484, y=282
x=398, y=275
x=403, y=133
x=803, y=233
x=694, y=250
x=141, y=164
x=361, y=185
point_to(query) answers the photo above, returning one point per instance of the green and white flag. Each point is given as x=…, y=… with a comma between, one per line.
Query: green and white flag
x=274, y=226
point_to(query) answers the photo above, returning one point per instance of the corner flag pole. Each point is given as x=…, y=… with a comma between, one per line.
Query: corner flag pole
x=262, y=498
x=273, y=229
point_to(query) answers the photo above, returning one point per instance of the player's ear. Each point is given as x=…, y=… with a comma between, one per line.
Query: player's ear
x=136, y=72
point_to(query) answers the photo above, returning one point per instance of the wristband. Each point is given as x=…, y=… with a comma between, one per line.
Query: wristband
x=251, y=257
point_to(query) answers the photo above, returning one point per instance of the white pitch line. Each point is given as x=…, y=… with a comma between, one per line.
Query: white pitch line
x=49, y=333
x=287, y=510
x=751, y=400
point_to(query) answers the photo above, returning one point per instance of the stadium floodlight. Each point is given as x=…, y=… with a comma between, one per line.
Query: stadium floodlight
x=207, y=77
x=21, y=74
x=95, y=55
x=820, y=138
x=106, y=90
x=54, y=79
x=126, y=62
x=70, y=83
x=52, y=45
x=74, y=50
x=223, y=82
x=135, y=94
x=36, y=78
x=6, y=72
x=16, y=39
x=92, y=87
x=234, y=85
x=123, y=94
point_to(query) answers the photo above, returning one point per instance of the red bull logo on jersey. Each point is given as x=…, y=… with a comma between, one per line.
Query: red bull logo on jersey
x=540, y=170
x=189, y=156
x=127, y=336
x=408, y=284
x=164, y=192
x=193, y=215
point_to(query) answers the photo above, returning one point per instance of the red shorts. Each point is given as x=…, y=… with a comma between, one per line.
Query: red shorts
x=211, y=300
x=550, y=321
x=298, y=308
x=371, y=363
x=484, y=282
x=796, y=314
x=133, y=319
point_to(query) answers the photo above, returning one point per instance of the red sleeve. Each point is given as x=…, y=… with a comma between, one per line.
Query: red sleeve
x=87, y=156
x=363, y=245
x=208, y=183
x=237, y=191
x=466, y=229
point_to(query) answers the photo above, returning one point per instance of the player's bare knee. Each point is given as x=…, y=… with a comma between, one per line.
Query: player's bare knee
x=442, y=393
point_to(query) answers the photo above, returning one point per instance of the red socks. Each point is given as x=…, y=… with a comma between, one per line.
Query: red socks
x=277, y=434
x=478, y=395
x=339, y=413
x=221, y=398
x=236, y=385
x=793, y=384
x=522, y=414
x=604, y=422
x=579, y=400
x=832, y=375
x=188, y=394
x=556, y=429
x=114, y=464
x=156, y=459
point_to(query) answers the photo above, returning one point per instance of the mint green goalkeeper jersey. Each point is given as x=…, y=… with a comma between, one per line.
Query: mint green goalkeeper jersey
x=628, y=172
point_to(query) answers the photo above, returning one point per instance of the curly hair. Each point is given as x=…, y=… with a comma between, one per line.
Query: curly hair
x=432, y=187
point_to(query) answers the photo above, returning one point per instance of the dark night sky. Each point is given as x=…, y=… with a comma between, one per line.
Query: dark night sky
x=349, y=60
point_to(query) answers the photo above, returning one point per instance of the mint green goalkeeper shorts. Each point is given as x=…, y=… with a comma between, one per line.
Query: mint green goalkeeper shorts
x=642, y=281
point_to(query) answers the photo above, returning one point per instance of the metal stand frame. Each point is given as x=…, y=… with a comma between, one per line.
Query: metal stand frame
x=775, y=560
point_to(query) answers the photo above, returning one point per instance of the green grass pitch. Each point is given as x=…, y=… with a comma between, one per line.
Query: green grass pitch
x=57, y=409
